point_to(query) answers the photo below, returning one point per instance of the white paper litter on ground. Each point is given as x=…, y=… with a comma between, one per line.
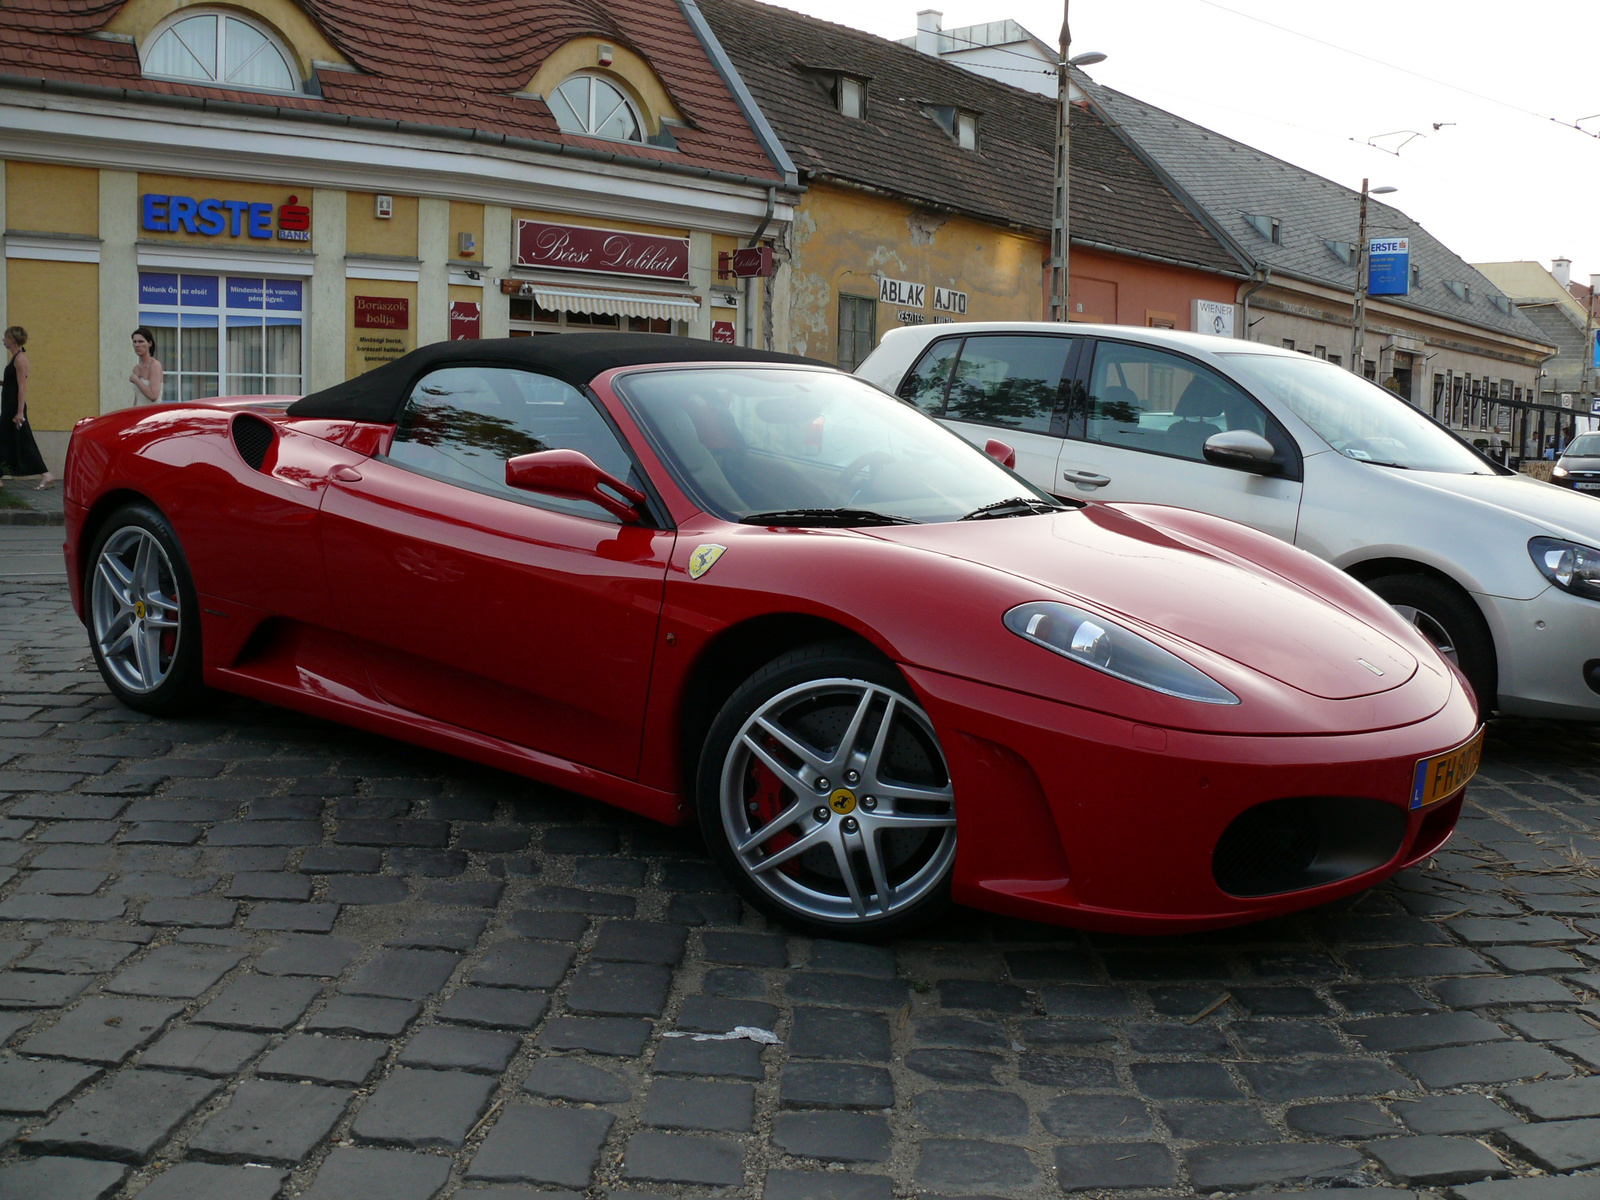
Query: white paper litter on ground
x=765, y=1036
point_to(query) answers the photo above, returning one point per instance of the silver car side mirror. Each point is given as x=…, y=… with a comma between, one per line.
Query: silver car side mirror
x=1243, y=451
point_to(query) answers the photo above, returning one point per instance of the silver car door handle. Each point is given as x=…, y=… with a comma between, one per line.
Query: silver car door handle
x=1086, y=478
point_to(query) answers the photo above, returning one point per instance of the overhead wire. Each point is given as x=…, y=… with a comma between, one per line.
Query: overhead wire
x=1455, y=87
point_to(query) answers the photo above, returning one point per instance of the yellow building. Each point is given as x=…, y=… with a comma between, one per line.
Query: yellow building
x=286, y=202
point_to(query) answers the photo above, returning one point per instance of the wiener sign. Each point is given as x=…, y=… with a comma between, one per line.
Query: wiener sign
x=607, y=251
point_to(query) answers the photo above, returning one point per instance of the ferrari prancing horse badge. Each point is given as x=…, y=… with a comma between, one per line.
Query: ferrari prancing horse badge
x=704, y=558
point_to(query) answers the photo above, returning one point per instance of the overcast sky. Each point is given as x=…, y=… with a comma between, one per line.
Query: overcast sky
x=1494, y=183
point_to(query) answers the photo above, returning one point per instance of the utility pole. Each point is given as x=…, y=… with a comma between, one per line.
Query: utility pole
x=1358, y=342
x=1363, y=281
x=1059, y=221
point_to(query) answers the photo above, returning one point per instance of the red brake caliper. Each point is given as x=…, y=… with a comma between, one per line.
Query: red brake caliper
x=768, y=801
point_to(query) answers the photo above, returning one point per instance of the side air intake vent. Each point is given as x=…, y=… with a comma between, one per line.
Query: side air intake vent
x=252, y=437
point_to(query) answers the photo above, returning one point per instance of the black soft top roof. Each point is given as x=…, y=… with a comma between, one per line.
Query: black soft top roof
x=575, y=358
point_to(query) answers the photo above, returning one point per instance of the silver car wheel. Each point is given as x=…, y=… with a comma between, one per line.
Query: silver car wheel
x=837, y=802
x=1430, y=628
x=134, y=605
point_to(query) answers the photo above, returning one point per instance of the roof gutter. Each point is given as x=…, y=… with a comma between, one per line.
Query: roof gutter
x=741, y=94
x=89, y=91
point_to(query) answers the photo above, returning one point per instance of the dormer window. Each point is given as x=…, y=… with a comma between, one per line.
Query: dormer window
x=220, y=49
x=1345, y=252
x=961, y=124
x=850, y=95
x=1461, y=291
x=1268, y=227
x=594, y=107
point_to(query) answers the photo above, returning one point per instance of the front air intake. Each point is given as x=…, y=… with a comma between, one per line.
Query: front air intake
x=252, y=438
x=1305, y=842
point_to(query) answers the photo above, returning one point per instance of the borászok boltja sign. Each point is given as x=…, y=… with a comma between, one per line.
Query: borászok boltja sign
x=606, y=251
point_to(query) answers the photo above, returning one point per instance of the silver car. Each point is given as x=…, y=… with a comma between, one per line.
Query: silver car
x=1579, y=465
x=1499, y=570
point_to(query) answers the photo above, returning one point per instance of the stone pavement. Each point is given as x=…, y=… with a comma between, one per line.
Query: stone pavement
x=250, y=955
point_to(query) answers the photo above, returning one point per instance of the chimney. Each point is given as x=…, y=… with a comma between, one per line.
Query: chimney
x=929, y=23
x=1561, y=268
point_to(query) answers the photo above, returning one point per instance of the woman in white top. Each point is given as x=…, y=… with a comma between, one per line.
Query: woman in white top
x=146, y=377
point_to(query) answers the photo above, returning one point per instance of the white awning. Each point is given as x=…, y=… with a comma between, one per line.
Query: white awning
x=618, y=304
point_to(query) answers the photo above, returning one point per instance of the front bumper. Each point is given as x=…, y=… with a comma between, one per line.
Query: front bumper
x=1076, y=818
x=1542, y=646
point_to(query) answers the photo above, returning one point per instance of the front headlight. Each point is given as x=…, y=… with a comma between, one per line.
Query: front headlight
x=1559, y=472
x=1571, y=566
x=1108, y=647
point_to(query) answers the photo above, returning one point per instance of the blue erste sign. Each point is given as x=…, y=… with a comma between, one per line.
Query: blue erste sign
x=234, y=218
x=1388, y=266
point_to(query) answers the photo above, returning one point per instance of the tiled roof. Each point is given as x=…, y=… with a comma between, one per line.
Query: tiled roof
x=1230, y=180
x=452, y=63
x=1116, y=199
x=1567, y=336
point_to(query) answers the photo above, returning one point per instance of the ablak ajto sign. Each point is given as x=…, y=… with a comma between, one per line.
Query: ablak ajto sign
x=606, y=251
x=902, y=293
x=1388, y=266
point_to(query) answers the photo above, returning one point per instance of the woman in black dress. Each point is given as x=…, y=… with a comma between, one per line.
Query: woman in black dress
x=18, y=453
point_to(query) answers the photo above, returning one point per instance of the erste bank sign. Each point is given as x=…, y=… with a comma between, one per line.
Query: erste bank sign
x=161, y=213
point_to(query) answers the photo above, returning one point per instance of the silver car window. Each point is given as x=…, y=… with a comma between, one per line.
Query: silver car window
x=1358, y=419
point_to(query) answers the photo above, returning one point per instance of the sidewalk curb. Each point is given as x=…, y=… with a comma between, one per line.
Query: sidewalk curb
x=17, y=516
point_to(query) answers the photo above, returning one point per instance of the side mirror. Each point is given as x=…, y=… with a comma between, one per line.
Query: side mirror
x=1001, y=452
x=1243, y=451
x=574, y=476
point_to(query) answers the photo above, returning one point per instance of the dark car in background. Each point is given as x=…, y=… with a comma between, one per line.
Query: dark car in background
x=1579, y=464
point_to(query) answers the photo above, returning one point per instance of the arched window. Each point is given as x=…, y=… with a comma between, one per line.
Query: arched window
x=221, y=49
x=590, y=105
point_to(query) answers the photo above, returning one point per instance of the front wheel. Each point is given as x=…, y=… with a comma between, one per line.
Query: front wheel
x=1449, y=620
x=144, y=620
x=823, y=792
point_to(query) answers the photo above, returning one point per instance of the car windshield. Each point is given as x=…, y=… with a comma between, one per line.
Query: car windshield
x=1586, y=445
x=814, y=447
x=1358, y=419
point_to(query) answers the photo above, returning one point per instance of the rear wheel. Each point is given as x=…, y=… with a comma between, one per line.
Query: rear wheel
x=823, y=792
x=144, y=626
x=1449, y=619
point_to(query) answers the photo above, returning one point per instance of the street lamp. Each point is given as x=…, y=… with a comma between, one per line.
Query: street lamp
x=1363, y=271
x=1060, y=216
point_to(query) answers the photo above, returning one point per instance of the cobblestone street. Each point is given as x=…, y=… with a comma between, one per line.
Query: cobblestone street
x=251, y=954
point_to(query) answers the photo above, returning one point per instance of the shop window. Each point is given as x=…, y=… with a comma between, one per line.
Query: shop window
x=1336, y=359
x=223, y=49
x=529, y=318
x=858, y=330
x=225, y=334
x=1319, y=352
x=595, y=107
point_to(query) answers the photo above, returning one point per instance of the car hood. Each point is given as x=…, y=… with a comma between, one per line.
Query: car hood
x=1556, y=510
x=1586, y=462
x=1108, y=559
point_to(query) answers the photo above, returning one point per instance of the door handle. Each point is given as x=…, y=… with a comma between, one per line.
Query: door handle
x=346, y=474
x=1086, y=479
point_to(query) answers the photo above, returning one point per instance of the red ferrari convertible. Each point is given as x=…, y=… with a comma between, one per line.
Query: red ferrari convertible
x=699, y=582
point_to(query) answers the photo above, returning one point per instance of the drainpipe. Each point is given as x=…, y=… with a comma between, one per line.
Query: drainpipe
x=749, y=287
x=1246, y=290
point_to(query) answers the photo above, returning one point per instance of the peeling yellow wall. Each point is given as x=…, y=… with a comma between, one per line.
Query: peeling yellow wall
x=395, y=237
x=845, y=240
x=45, y=198
x=58, y=303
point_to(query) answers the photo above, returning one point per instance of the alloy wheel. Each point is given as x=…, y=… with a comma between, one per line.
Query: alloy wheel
x=135, y=607
x=1431, y=628
x=837, y=801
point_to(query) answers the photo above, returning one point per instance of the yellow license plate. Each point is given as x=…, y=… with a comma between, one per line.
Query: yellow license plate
x=1446, y=774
